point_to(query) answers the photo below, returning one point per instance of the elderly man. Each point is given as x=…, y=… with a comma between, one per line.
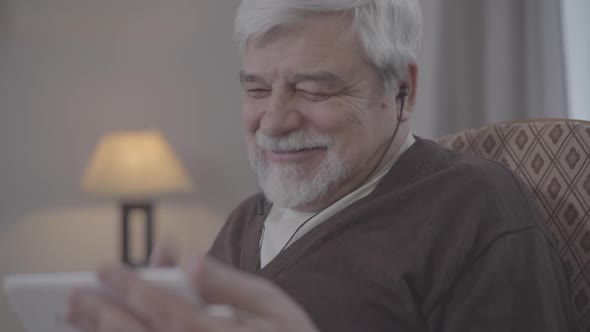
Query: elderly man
x=361, y=226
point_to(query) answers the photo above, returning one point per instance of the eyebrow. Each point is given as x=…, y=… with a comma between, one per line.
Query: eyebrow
x=322, y=76
x=245, y=77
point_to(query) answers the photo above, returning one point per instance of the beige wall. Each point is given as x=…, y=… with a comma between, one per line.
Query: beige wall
x=73, y=70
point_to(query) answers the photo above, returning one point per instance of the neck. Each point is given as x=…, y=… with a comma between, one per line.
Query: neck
x=374, y=165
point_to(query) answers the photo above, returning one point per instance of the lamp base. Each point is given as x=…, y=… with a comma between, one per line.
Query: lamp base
x=127, y=208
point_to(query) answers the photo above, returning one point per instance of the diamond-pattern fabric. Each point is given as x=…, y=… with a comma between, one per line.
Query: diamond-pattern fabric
x=553, y=159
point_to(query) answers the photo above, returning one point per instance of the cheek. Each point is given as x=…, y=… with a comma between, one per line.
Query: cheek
x=250, y=116
x=351, y=127
x=250, y=123
x=337, y=117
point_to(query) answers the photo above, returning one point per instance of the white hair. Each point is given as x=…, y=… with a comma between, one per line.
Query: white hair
x=389, y=30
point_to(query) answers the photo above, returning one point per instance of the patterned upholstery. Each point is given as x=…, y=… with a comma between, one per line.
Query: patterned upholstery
x=553, y=158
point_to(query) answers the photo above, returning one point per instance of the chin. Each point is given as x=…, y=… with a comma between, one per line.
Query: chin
x=293, y=185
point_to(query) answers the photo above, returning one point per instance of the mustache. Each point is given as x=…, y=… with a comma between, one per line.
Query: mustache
x=294, y=141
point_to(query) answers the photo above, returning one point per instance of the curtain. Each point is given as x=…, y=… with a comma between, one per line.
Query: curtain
x=488, y=61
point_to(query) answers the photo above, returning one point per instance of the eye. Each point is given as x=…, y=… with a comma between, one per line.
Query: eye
x=313, y=96
x=257, y=93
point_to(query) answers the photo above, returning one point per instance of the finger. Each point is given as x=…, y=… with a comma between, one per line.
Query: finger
x=89, y=311
x=217, y=283
x=161, y=309
x=165, y=254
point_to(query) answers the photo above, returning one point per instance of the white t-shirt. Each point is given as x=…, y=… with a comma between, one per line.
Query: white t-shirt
x=281, y=223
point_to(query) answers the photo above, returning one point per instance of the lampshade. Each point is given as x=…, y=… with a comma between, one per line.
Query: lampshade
x=133, y=165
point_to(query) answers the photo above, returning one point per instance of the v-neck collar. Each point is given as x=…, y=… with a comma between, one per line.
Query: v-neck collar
x=250, y=251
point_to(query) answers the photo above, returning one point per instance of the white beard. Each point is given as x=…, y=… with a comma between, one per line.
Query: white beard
x=289, y=185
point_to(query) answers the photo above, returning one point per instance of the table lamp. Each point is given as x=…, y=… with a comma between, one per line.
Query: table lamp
x=135, y=167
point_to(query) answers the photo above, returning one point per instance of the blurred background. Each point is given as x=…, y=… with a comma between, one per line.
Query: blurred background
x=72, y=71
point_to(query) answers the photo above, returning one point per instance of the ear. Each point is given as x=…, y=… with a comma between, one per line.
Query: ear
x=411, y=84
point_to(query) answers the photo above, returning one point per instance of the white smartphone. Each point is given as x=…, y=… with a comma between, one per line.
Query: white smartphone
x=40, y=300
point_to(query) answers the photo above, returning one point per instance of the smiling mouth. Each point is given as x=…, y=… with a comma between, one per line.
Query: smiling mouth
x=294, y=155
x=298, y=150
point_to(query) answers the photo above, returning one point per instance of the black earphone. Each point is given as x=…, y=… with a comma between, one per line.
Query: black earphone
x=402, y=94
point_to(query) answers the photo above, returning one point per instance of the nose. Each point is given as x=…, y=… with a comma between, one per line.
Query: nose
x=281, y=115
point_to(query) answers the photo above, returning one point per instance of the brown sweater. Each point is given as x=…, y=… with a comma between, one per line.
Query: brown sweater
x=446, y=242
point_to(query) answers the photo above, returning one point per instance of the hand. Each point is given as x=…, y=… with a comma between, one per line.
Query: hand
x=141, y=306
x=165, y=254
